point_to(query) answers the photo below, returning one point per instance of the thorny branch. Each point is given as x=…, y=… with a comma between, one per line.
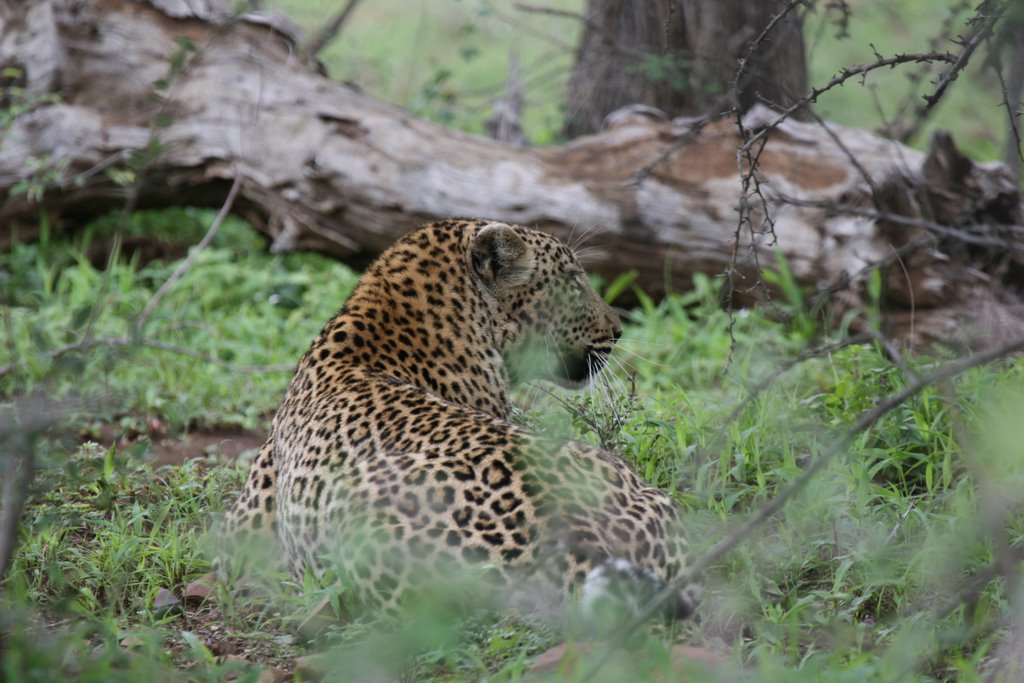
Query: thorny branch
x=741, y=70
x=750, y=186
x=838, y=446
x=987, y=22
x=905, y=131
x=844, y=75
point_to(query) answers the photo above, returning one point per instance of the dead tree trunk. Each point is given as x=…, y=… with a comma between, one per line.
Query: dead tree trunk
x=682, y=56
x=161, y=104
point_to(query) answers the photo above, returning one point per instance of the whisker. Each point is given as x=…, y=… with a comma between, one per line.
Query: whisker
x=645, y=359
x=634, y=340
x=569, y=239
x=622, y=366
x=594, y=229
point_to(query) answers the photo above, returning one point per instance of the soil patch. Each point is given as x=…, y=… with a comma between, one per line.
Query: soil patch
x=216, y=443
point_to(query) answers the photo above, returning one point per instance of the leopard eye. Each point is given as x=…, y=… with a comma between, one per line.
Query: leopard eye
x=578, y=281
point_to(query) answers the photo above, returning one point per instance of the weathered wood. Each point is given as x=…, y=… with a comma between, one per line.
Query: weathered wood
x=325, y=167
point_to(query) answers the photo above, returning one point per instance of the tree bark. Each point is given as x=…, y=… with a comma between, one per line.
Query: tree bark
x=162, y=104
x=682, y=56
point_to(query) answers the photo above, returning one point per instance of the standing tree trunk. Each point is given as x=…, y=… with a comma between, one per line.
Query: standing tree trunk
x=681, y=56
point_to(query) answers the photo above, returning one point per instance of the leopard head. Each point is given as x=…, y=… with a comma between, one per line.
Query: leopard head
x=555, y=325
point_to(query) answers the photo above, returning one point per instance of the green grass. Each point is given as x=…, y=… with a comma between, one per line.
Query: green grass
x=855, y=580
x=859, y=578
x=240, y=307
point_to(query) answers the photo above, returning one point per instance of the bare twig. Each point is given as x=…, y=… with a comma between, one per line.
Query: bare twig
x=1012, y=242
x=694, y=128
x=987, y=23
x=860, y=70
x=839, y=445
x=865, y=176
x=1012, y=90
x=609, y=38
x=225, y=209
x=750, y=186
x=741, y=71
x=327, y=33
x=899, y=129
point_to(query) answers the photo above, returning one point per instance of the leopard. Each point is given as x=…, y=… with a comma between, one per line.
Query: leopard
x=394, y=457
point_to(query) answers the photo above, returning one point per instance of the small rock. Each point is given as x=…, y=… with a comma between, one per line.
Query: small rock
x=319, y=618
x=272, y=675
x=166, y=603
x=561, y=656
x=132, y=642
x=311, y=667
x=199, y=591
x=687, y=656
x=235, y=671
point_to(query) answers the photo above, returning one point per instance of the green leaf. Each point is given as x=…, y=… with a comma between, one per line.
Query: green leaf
x=108, y=462
x=81, y=316
x=617, y=286
x=199, y=650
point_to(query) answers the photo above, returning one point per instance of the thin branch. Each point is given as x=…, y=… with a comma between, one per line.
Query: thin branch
x=1013, y=155
x=327, y=33
x=950, y=74
x=741, y=71
x=875, y=196
x=844, y=75
x=225, y=209
x=899, y=130
x=1012, y=242
x=725, y=106
x=608, y=37
x=694, y=128
x=839, y=445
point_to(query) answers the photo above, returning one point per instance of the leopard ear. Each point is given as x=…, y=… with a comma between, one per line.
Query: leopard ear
x=500, y=257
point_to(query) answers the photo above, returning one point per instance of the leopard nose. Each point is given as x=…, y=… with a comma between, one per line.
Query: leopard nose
x=616, y=329
x=613, y=317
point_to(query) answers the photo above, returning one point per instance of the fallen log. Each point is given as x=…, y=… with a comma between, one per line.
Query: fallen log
x=146, y=104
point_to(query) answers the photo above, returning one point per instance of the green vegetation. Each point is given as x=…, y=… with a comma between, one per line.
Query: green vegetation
x=860, y=577
x=881, y=569
x=448, y=61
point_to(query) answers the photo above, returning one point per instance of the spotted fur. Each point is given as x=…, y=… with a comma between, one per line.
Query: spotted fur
x=392, y=458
